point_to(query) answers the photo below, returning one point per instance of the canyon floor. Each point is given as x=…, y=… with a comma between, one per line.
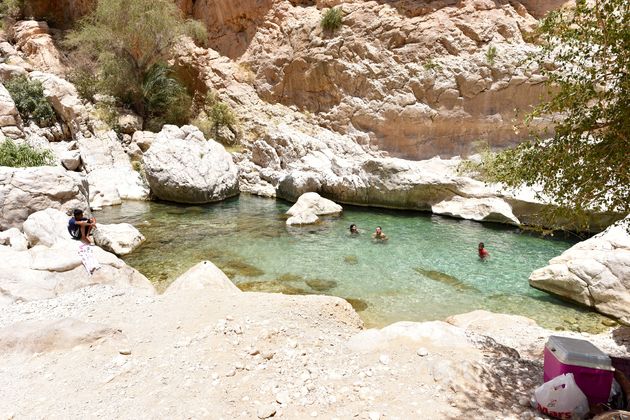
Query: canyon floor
x=103, y=352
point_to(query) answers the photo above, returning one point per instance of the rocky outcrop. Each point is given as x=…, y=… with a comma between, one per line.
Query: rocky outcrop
x=52, y=266
x=33, y=39
x=204, y=275
x=110, y=173
x=47, y=228
x=415, y=79
x=65, y=100
x=14, y=239
x=10, y=121
x=595, y=273
x=24, y=191
x=121, y=238
x=309, y=206
x=488, y=209
x=183, y=167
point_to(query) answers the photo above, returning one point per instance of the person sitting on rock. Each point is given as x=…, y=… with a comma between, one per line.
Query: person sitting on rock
x=81, y=227
x=379, y=235
x=353, y=229
x=483, y=253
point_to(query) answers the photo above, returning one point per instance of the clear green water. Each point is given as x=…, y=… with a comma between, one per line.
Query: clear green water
x=428, y=269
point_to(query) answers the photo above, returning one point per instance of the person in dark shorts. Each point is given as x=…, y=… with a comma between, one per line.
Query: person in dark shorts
x=81, y=227
x=483, y=253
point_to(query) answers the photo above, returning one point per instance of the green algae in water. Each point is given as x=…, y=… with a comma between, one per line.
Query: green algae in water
x=252, y=230
x=321, y=285
x=289, y=277
x=272, y=287
x=445, y=278
x=351, y=259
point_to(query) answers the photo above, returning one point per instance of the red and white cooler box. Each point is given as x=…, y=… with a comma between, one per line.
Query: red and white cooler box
x=591, y=367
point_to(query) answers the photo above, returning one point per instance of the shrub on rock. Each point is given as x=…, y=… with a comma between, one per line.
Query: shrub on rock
x=30, y=101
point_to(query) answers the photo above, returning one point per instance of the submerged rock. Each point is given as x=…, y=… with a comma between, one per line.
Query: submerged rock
x=359, y=305
x=239, y=268
x=290, y=277
x=321, y=285
x=595, y=273
x=351, y=259
x=444, y=278
x=272, y=287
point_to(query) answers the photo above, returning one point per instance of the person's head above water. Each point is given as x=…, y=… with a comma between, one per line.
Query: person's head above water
x=353, y=228
x=379, y=230
x=481, y=245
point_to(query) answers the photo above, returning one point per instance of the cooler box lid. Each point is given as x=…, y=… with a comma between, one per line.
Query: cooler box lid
x=572, y=351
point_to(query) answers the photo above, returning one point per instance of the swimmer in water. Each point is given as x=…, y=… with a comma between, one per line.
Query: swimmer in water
x=378, y=234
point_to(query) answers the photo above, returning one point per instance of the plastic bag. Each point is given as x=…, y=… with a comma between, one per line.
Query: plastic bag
x=561, y=398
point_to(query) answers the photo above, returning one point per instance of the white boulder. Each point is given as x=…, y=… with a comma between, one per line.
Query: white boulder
x=121, y=238
x=65, y=100
x=595, y=272
x=189, y=169
x=110, y=173
x=309, y=206
x=314, y=203
x=24, y=191
x=204, y=275
x=70, y=159
x=14, y=238
x=44, y=272
x=47, y=227
x=487, y=209
x=10, y=121
x=305, y=218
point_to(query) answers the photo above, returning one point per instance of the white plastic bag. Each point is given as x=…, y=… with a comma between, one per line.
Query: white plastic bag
x=561, y=398
x=87, y=258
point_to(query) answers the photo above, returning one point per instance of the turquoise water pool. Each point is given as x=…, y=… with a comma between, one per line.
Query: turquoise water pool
x=427, y=270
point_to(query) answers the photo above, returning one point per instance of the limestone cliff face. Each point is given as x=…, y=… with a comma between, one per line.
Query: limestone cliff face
x=419, y=78
x=415, y=78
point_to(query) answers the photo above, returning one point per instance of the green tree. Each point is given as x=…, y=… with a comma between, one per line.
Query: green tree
x=30, y=101
x=129, y=42
x=584, y=164
x=23, y=155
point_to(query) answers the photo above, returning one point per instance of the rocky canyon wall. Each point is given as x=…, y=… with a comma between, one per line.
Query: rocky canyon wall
x=414, y=78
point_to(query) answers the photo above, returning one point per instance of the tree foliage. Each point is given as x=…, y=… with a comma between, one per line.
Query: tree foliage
x=23, y=155
x=584, y=164
x=129, y=42
x=30, y=101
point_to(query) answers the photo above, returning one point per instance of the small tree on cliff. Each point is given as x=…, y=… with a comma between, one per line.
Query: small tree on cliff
x=129, y=42
x=586, y=164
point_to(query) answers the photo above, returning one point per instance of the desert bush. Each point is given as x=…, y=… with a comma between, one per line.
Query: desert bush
x=332, y=19
x=491, y=54
x=30, y=101
x=214, y=116
x=23, y=155
x=86, y=82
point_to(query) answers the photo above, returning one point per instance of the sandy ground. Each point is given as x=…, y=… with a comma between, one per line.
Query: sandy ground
x=223, y=355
